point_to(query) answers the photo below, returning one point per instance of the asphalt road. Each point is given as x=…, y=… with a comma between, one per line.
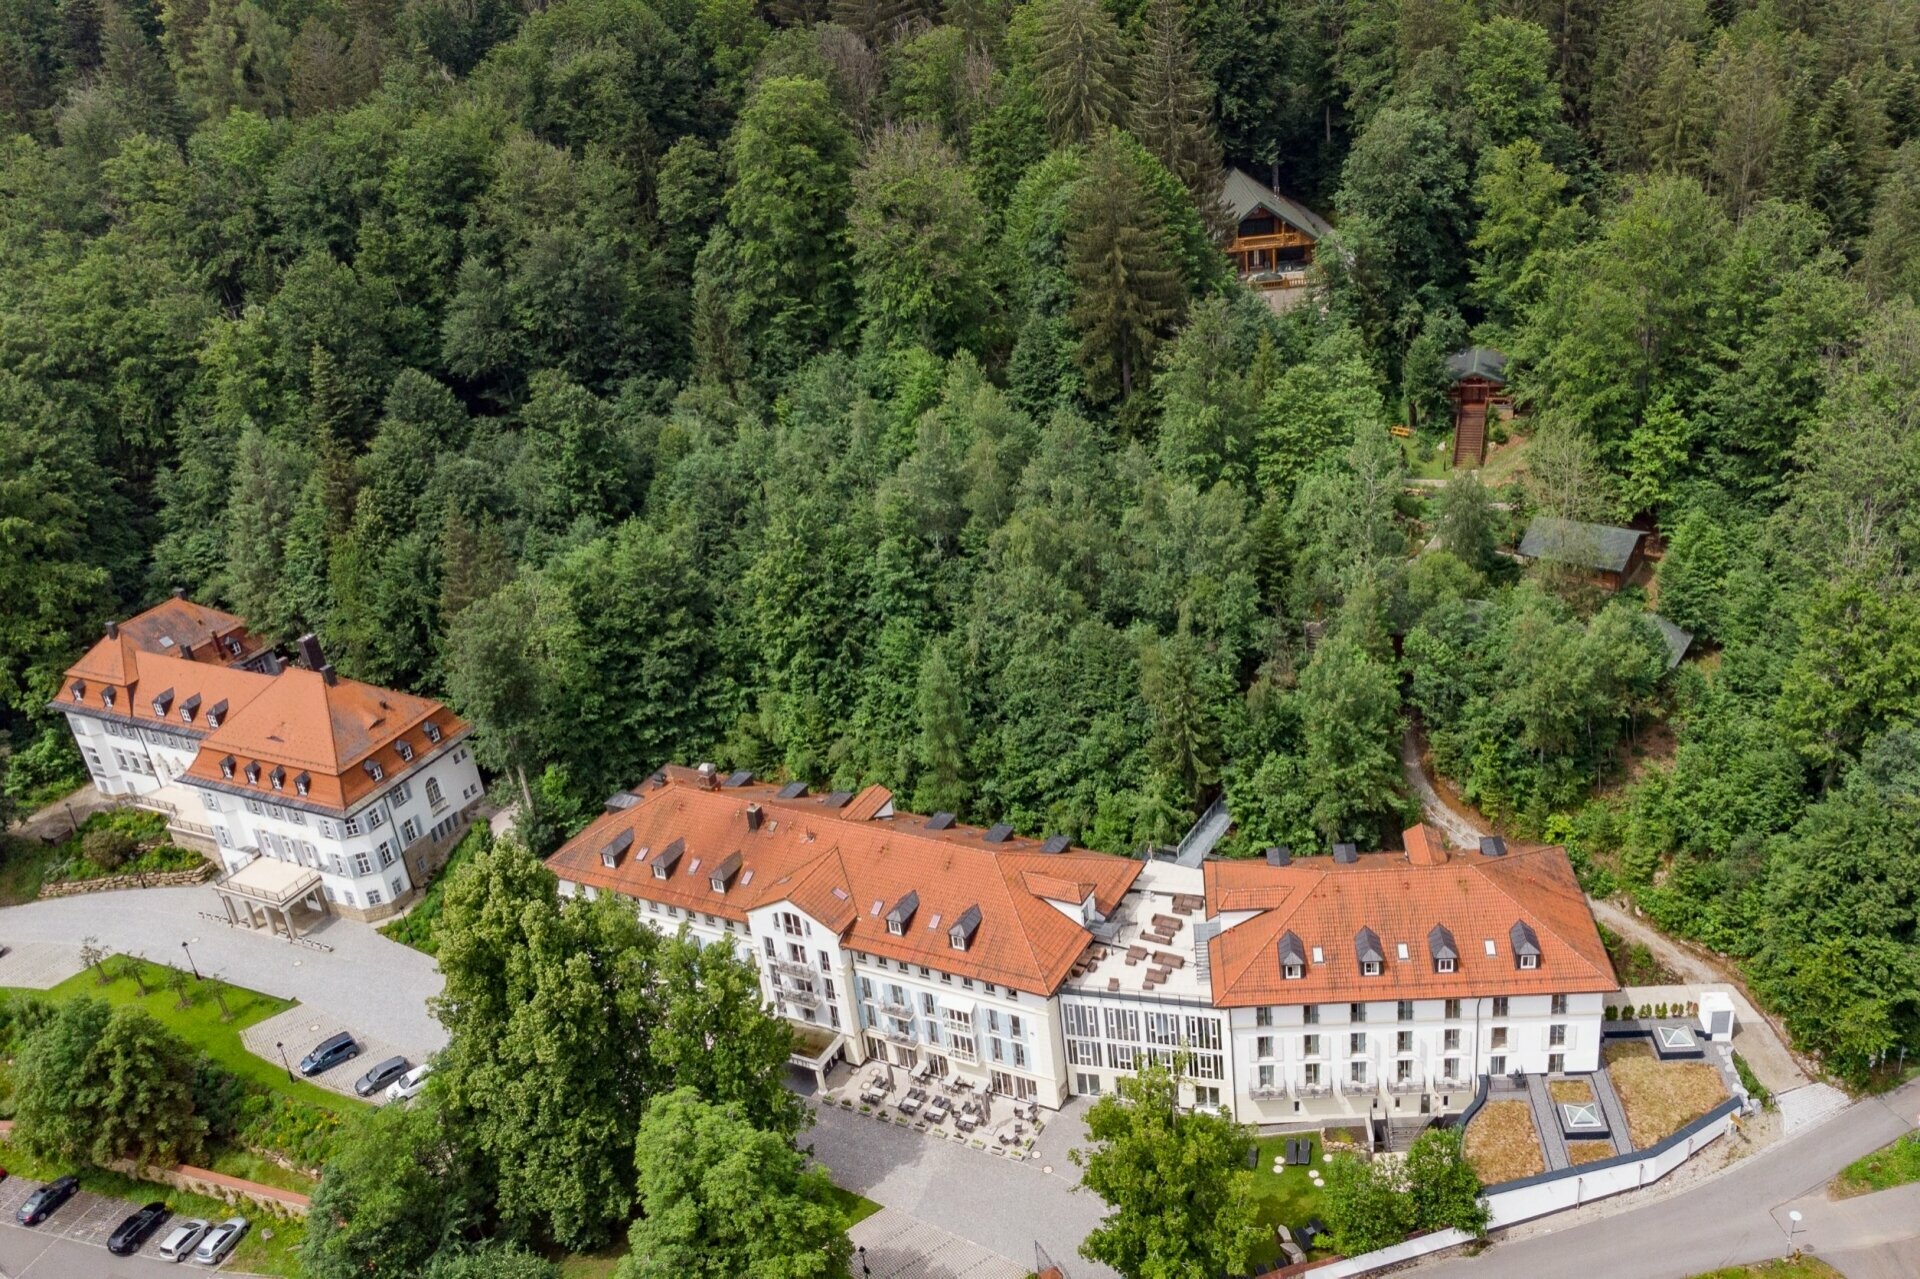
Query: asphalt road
x=72, y=1244
x=1735, y=1218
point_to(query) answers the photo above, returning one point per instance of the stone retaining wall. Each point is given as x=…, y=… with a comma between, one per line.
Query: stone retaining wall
x=217, y=1185
x=112, y=883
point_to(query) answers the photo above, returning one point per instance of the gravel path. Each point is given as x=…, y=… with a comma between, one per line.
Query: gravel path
x=1435, y=811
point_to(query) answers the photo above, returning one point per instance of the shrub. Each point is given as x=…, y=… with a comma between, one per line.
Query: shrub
x=107, y=847
x=1609, y=1014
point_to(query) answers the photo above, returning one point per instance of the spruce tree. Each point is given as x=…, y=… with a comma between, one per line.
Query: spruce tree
x=1171, y=111
x=1078, y=64
x=942, y=707
x=1128, y=292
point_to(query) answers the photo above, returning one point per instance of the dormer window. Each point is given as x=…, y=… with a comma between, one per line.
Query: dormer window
x=1529, y=961
x=406, y=750
x=616, y=849
x=253, y=772
x=1292, y=972
x=1440, y=946
x=106, y=696
x=277, y=778
x=722, y=875
x=374, y=771
x=433, y=731
x=902, y=914
x=960, y=935
x=227, y=767
x=189, y=708
x=669, y=856
x=1526, y=946
x=79, y=690
x=162, y=703
x=303, y=783
x=1293, y=956
x=1443, y=965
x=1366, y=950
x=218, y=713
x=1371, y=968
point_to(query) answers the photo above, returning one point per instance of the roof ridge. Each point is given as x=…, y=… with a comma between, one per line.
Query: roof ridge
x=1537, y=918
x=1282, y=915
x=1026, y=933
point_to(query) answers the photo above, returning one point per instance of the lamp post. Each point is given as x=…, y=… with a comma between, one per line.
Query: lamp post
x=1793, y=1227
x=283, y=1059
x=190, y=963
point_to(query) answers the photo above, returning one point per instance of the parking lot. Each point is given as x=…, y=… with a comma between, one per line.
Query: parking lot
x=82, y=1225
x=300, y=1028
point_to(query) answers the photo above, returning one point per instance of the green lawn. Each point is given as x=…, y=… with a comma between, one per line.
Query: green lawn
x=23, y=868
x=256, y=1254
x=201, y=1024
x=856, y=1207
x=1890, y=1166
x=1797, y=1268
x=1286, y=1199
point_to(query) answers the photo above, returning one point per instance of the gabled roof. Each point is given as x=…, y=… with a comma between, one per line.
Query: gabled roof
x=1603, y=547
x=849, y=873
x=1478, y=361
x=1384, y=901
x=1676, y=640
x=1242, y=195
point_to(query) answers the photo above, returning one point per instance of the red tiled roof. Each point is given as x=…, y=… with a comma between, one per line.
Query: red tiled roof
x=1476, y=898
x=847, y=872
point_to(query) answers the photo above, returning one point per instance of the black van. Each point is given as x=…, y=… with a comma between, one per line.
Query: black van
x=329, y=1053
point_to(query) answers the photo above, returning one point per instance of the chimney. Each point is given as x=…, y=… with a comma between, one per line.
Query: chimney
x=753, y=817
x=328, y=674
x=709, y=776
x=113, y=629
x=1280, y=855
x=179, y=592
x=310, y=655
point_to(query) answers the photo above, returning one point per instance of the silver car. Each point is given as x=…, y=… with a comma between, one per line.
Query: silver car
x=178, y=1245
x=220, y=1241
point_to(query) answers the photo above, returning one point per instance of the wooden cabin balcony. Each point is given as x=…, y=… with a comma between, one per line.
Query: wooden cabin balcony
x=1274, y=240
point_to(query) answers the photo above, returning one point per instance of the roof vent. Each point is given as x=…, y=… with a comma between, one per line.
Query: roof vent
x=838, y=799
x=755, y=815
x=1280, y=855
x=738, y=778
x=960, y=934
x=709, y=775
x=998, y=833
x=616, y=849
x=902, y=913
x=162, y=701
x=311, y=656
x=723, y=874
x=1057, y=844
x=1526, y=946
x=113, y=630
x=189, y=708
x=658, y=779
x=792, y=790
x=1345, y=854
x=179, y=592
x=940, y=821
x=1492, y=846
x=664, y=863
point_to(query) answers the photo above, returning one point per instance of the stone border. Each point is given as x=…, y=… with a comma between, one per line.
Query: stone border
x=114, y=883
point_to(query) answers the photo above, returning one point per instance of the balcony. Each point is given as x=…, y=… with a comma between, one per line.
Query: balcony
x=901, y=1036
x=1269, y=1093
x=803, y=998
x=791, y=969
x=1313, y=1090
x=1405, y=1087
x=892, y=1009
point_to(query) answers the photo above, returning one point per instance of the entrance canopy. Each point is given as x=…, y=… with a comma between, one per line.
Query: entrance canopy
x=272, y=882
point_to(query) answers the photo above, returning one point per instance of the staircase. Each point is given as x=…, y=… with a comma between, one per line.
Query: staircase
x=1401, y=1132
x=1470, y=435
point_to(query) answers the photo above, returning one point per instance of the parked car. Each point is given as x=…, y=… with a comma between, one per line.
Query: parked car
x=328, y=1053
x=408, y=1086
x=220, y=1241
x=178, y=1246
x=41, y=1203
x=380, y=1076
x=137, y=1229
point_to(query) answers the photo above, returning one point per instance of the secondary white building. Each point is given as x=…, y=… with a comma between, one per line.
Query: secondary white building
x=1377, y=986
x=364, y=789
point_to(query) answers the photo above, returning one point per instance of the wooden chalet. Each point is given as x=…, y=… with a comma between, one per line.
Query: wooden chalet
x=1606, y=554
x=1479, y=387
x=1273, y=237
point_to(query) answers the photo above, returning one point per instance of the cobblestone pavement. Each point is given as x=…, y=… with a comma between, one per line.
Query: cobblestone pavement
x=894, y=1245
x=1803, y=1107
x=72, y=1243
x=1003, y=1206
x=378, y=987
x=303, y=1027
x=38, y=965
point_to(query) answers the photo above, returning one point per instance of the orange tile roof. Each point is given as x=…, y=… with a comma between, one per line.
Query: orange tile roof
x=180, y=626
x=295, y=721
x=847, y=873
x=1475, y=898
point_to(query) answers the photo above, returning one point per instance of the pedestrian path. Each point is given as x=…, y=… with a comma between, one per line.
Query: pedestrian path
x=894, y=1245
x=38, y=965
x=1805, y=1107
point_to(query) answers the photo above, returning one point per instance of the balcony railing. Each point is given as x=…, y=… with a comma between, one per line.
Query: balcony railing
x=901, y=1036
x=1406, y=1086
x=893, y=1009
x=804, y=998
x=792, y=969
x=1270, y=1092
x=1313, y=1090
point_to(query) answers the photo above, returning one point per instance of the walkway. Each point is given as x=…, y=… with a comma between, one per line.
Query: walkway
x=57, y=820
x=378, y=987
x=1734, y=1218
x=893, y=1245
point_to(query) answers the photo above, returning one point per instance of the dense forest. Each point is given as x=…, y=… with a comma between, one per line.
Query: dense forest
x=858, y=392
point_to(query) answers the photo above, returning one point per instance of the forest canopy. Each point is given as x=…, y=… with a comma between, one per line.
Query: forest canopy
x=857, y=391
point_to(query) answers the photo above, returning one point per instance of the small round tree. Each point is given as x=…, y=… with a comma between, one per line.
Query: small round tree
x=107, y=848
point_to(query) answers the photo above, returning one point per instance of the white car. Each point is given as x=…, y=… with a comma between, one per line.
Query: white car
x=409, y=1085
x=220, y=1241
x=178, y=1245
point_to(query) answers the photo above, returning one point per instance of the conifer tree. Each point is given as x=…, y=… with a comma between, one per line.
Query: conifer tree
x=1171, y=109
x=942, y=707
x=1079, y=65
x=1128, y=292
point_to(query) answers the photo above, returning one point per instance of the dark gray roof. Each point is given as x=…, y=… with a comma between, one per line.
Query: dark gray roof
x=739, y=777
x=793, y=790
x=1676, y=640
x=616, y=848
x=1440, y=943
x=1346, y=854
x=1595, y=546
x=1524, y=941
x=999, y=833
x=1492, y=846
x=1057, y=844
x=837, y=799
x=1366, y=947
x=722, y=875
x=1291, y=951
x=1478, y=361
x=1242, y=195
x=961, y=931
x=1279, y=855
x=664, y=860
x=621, y=799
x=902, y=912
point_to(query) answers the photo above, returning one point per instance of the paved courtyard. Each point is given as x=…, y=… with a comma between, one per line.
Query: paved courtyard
x=377, y=987
x=302, y=1027
x=893, y=1245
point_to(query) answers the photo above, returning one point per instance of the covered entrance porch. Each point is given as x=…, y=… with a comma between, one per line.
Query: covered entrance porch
x=277, y=896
